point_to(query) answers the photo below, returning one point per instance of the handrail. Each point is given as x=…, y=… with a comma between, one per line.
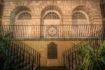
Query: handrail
x=81, y=31
x=72, y=58
x=28, y=57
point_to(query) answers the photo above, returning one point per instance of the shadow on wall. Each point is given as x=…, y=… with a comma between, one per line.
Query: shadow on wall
x=1, y=11
x=102, y=6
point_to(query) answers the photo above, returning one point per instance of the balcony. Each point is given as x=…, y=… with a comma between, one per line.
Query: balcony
x=53, y=32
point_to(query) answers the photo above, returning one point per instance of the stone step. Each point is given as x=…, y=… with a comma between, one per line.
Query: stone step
x=53, y=68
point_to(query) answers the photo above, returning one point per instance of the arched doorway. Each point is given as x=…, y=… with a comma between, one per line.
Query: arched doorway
x=52, y=55
x=52, y=51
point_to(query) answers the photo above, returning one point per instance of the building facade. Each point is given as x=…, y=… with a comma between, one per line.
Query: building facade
x=52, y=26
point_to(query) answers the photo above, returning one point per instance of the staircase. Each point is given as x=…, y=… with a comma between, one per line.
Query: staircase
x=23, y=57
x=53, y=68
x=72, y=57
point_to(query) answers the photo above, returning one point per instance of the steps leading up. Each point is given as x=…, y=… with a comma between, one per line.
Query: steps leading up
x=53, y=68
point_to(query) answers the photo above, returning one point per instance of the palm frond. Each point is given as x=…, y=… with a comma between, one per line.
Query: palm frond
x=93, y=59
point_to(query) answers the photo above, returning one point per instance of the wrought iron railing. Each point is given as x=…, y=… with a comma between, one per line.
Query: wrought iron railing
x=23, y=57
x=20, y=56
x=53, y=31
x=73, y=58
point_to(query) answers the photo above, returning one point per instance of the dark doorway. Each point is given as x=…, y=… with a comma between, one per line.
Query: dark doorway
x=52, y=51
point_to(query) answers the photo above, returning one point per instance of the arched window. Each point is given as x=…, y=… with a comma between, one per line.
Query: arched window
x=80, y=22
x=80, y=17
x=51, y=15
x=21, y=18
x=24, y=16
x=23, y=28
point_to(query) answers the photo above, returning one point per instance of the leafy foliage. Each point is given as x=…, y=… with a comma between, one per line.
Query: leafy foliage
x=93, y=58
x=4, y=52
